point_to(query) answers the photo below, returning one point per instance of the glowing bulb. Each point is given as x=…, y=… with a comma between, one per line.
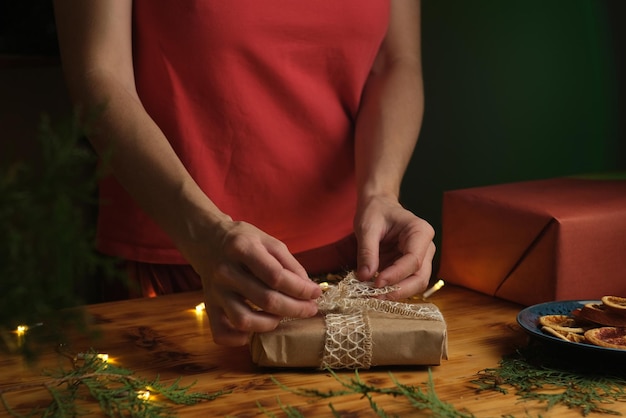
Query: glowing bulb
x=144, y=395
x=200, y=307
x=21, y=329
x=103, y=357
x=433, y=289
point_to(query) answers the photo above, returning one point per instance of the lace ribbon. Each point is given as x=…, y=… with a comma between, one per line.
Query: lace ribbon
x=348, y=341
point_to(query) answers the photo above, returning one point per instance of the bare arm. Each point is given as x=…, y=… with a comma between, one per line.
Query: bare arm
x=95, y=39
x=235, y=260
x=391, y=239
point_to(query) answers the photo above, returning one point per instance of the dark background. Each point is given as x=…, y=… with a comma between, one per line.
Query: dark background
x=515, y=90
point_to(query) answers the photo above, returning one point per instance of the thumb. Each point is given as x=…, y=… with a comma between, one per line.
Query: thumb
x=367, y=255
x=222, y=330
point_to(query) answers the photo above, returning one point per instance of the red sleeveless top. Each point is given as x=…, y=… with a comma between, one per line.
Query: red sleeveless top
x=258, y=99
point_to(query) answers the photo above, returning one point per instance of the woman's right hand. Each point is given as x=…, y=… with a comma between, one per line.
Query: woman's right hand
x=251, y=281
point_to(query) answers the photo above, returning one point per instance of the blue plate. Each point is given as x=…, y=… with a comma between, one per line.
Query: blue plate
x=528, y=319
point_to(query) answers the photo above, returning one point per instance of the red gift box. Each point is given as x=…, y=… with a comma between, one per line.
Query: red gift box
x=537, y=241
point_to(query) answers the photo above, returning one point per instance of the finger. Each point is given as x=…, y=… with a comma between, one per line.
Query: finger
x=412, y=285
x=274, y=301
x=243, y=284
x=289, y=262
x=233, y=324
x=415, y=247
x=401, y=268
x=407, y=265
x=243, y=317
x=368, y=246
x=275, y=268
x=301, y=286
x=223, y=331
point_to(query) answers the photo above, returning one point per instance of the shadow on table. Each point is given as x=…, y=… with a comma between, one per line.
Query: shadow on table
x=575, y=357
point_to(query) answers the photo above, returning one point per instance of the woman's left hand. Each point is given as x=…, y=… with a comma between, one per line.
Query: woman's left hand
x=395, y=247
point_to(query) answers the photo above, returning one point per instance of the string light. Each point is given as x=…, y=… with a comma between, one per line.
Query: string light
x=21, y=330
x=144, y=395
x=200, y=307
x=428, y=293
x=103, y=357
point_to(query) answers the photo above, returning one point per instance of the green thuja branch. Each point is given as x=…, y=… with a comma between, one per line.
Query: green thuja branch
x=428, y=399
x=47, y=257
x=117, y=391
x=532, y=379
x=422, y=399
x=290, y=411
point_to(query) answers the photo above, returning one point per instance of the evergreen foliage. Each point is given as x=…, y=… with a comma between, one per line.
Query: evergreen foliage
x=578, y=383
x=47, y=254
x=423, y=399
x=116, y=391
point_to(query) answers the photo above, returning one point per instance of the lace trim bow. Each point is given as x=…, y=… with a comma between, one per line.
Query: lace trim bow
x=348, y=341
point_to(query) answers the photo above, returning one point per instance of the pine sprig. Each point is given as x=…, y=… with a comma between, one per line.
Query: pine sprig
x=428, y=399
x=531, y=379
x=288, y=410
x=422, y=399
x=47, y=253
x=116, y=390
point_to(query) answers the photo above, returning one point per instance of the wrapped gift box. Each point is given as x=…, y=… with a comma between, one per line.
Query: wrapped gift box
x=385, y=332
x=395, y=341
x=537, y=241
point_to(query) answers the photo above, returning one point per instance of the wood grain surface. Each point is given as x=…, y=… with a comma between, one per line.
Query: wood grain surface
x=165, y=337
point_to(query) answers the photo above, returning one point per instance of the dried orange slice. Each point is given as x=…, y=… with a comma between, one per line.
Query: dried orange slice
x=558, y=334
x=600, y=314
x=612, y=337
x=567, y=336
x=615, y=304
x=563, y=323
x=576, y=338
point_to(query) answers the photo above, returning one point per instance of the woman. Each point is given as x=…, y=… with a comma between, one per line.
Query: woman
x=252, y=143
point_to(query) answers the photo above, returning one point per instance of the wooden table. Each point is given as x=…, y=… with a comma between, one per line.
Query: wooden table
x=164, y=336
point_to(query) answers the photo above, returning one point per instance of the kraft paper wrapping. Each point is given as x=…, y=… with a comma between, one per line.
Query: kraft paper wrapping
x=396, y=340
x=537, y=241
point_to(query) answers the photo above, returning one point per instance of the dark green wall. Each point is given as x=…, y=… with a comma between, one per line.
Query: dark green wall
x=515, y=90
